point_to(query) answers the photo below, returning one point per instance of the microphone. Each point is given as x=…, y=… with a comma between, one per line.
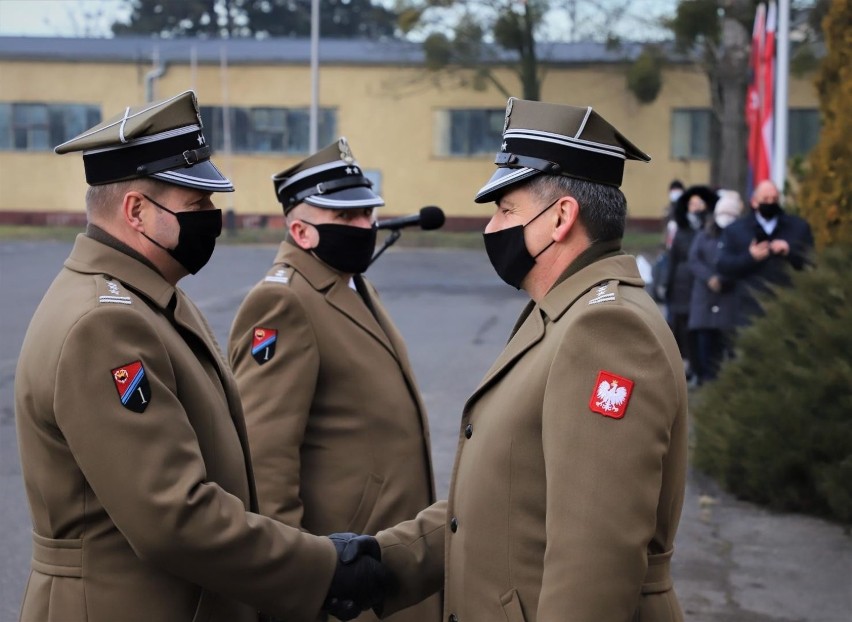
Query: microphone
x=430, y=217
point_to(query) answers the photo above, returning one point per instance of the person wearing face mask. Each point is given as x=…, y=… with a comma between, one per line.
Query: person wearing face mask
x=338, y=430
x=759, y=249
x=570, y=470
x=675, y=191
x=133, y=446
x=714, y=302
x=691, y=212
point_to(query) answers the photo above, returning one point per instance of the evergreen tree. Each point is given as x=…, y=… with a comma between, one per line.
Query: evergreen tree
x=824, y=198
x=775, y=427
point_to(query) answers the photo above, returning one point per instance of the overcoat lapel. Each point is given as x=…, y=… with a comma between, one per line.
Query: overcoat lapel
x=188, y=317
x=527, y=335
x=348, y=302
x=393, y=336
x=337, y=291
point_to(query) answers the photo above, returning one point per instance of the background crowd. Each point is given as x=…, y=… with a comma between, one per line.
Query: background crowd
x=717, y=263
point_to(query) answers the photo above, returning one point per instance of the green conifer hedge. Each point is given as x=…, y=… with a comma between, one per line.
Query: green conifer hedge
x=776, y=427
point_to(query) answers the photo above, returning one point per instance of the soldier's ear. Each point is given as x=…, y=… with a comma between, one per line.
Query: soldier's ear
x=567, y=212
x=132, y=206
x=303, y=234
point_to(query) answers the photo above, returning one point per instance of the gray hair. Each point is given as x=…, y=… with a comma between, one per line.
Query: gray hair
x=102, y=201
x=603, y=208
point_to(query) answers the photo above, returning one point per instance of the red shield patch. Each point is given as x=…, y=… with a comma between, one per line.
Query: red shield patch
x=610, y=395
x=263, y=342
x=131, y=382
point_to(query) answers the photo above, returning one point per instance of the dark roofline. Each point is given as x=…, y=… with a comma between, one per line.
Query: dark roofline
x=282, y=51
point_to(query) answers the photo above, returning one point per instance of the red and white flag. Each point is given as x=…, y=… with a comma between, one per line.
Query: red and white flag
x=768, y=100
x=759, y=96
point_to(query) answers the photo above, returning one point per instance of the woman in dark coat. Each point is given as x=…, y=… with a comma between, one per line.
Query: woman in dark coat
x=691, y=209
x=713, y=305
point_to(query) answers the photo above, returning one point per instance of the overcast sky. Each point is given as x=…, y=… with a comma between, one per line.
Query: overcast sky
x=59, y=18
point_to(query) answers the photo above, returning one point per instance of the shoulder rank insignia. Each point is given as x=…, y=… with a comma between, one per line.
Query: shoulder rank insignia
x=131, y=381
x=279, y=276
x=263, y=344
x=602, y=295
x=113, y=294
x=610, y=395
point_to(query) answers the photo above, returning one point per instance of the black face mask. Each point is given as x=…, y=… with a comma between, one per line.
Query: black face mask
x=769, y=210
x=197, y=237
x=508, y=252
x=345, y=248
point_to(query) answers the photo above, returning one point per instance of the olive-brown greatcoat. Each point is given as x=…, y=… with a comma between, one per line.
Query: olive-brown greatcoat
x=556, y=512
x=141, y=516
x=338, y=432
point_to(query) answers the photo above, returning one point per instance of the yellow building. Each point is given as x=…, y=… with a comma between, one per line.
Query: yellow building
x=420, y=141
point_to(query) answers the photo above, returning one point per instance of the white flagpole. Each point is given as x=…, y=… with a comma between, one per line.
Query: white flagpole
x=193, y=67
x=226, y=116
x=314, y=115
x=782, y=73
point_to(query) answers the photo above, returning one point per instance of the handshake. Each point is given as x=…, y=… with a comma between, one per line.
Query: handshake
x=360, y=581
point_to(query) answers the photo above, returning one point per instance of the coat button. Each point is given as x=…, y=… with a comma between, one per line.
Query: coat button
x=454, y=524
x=453, y=618
x=715, y=308
x=468, y=431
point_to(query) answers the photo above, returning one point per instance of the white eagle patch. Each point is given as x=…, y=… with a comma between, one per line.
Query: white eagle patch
x=610, y=396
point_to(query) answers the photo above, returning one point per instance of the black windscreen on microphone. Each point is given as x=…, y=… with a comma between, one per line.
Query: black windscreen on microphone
x=431, y=217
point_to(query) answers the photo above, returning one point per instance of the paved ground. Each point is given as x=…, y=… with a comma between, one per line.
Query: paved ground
x=734, y=562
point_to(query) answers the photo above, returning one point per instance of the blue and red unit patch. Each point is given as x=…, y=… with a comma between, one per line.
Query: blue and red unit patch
x=263, y=344
x=132, y=385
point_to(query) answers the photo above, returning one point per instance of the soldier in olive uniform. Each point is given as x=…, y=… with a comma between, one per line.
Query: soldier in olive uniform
x=338, y=432
x=569, y=476
x=131, y=433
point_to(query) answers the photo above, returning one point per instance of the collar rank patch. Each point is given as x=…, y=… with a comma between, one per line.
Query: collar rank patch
x=131, y=381
x=611, y=395
x=263, y=344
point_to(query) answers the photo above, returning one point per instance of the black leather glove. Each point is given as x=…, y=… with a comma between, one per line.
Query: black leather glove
x=360, y=580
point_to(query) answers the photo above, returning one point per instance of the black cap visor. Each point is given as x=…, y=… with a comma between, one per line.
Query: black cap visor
x=356, y=197
x=500, y=182
x=202, y=176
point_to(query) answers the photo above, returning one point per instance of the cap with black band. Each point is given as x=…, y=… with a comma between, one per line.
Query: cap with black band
x=557, y=139
x=163, y=140
x=330, y=179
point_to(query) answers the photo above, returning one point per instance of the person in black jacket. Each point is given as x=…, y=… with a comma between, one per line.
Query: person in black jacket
x=757, y=249
x=691, y=210
x=714, y=303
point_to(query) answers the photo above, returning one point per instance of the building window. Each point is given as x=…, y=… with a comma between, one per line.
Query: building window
x=40, y=127
x=690, y=134
x=266, y=129
x=468, y=132
x=803, y=126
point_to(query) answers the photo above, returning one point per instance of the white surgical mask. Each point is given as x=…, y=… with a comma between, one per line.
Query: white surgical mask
x=723, y=220
x=674, y=195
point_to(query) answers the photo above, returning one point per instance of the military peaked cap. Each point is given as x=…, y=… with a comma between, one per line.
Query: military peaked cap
x=160, y=139
x=330, y=178
x=557, y=140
